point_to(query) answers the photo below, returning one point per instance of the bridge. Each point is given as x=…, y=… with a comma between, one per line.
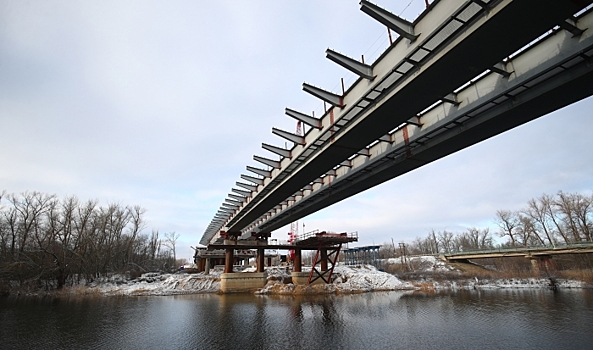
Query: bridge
x=462, y=72
x=527, y=252
x=539, y=255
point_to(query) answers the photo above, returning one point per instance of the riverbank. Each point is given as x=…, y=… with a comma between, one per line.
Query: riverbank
x=346, y=280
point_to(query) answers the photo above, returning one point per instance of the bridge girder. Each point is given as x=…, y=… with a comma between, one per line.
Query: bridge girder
x=429, y=69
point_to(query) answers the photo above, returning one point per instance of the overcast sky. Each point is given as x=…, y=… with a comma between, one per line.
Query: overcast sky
x=162, y=104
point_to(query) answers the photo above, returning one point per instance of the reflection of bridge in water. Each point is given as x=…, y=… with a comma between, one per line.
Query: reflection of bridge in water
x=462, y=72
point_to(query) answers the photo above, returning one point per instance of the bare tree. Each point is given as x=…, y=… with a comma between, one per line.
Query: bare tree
x=43, y=238
x=508, y=222
x=478, y=239
x=525, y=231
x=536, y=210
x=170, y=242
x=582, y=213
x=548, y=204
x=445, y=238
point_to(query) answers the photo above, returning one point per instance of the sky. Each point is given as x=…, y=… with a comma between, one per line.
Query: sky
x=162, y=104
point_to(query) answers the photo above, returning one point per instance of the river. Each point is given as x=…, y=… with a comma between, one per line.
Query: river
x=482, y=319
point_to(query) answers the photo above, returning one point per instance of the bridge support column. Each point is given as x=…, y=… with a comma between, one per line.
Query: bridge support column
x=260, y=260
x=541, y=264
x=229, y=260
x=296, y=267
x=206, y=266
x=201, y=262
x=323, y=260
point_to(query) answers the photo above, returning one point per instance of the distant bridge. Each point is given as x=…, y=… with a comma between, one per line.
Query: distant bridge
x=527, y=252
x=463, y=71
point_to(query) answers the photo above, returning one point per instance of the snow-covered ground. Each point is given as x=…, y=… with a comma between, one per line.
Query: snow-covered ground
x=426, y=263
x=431, y=264
x=154, y=284
x=346, y=279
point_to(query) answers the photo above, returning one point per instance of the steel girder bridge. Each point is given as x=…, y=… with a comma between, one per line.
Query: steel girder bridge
x=462, y=72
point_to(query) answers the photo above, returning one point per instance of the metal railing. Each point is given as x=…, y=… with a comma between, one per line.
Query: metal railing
x=316, y=233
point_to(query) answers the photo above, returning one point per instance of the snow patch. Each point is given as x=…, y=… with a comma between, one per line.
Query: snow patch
x=160, y=284
x=346, y=279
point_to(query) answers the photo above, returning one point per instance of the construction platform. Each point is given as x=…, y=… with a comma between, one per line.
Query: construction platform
x=308, y=241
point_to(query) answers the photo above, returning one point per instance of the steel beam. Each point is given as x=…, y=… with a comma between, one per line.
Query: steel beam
x=296, y=139
x=232, y=201
x=451, y=98
x=255, y=180
x=241, y=192
x=248, y=187
x=262, y=172
x=359, y=68
x=572, y=28
x=364, y=152
x=329, y=97
x=311, y=121
x=240, y=198
x=286, y=153
x=500, y=68
x=393, y=22
x=270, y=162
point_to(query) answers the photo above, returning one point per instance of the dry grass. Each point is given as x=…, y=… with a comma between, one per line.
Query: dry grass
x=79, y=290
x=140, y=291
x=507, y=268
x=579, y=275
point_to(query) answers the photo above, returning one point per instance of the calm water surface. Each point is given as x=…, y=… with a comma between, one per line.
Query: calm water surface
x=500, y=319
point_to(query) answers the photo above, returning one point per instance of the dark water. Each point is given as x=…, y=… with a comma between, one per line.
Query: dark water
x=503, y=319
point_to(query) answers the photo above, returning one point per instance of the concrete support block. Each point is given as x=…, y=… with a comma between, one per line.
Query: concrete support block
x=242, y=282
x=535, y=265
x=301, y=278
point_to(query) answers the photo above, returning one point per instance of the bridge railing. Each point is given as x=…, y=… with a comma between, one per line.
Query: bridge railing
x=581, y=244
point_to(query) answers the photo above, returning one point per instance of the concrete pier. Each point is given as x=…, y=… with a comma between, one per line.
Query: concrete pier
x=242, y=282
x=301, y=278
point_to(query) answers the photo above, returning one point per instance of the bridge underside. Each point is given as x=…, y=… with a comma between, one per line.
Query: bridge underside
x=420, y=107
x=458, y=136
x=502, y=105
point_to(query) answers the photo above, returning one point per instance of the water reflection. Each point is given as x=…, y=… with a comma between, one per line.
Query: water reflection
x=532, y=319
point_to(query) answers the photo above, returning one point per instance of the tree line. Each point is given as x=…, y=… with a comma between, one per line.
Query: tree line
x=45, y=238
x=548, y=220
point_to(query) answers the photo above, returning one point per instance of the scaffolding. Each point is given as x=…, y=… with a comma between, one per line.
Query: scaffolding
x=368, y=255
